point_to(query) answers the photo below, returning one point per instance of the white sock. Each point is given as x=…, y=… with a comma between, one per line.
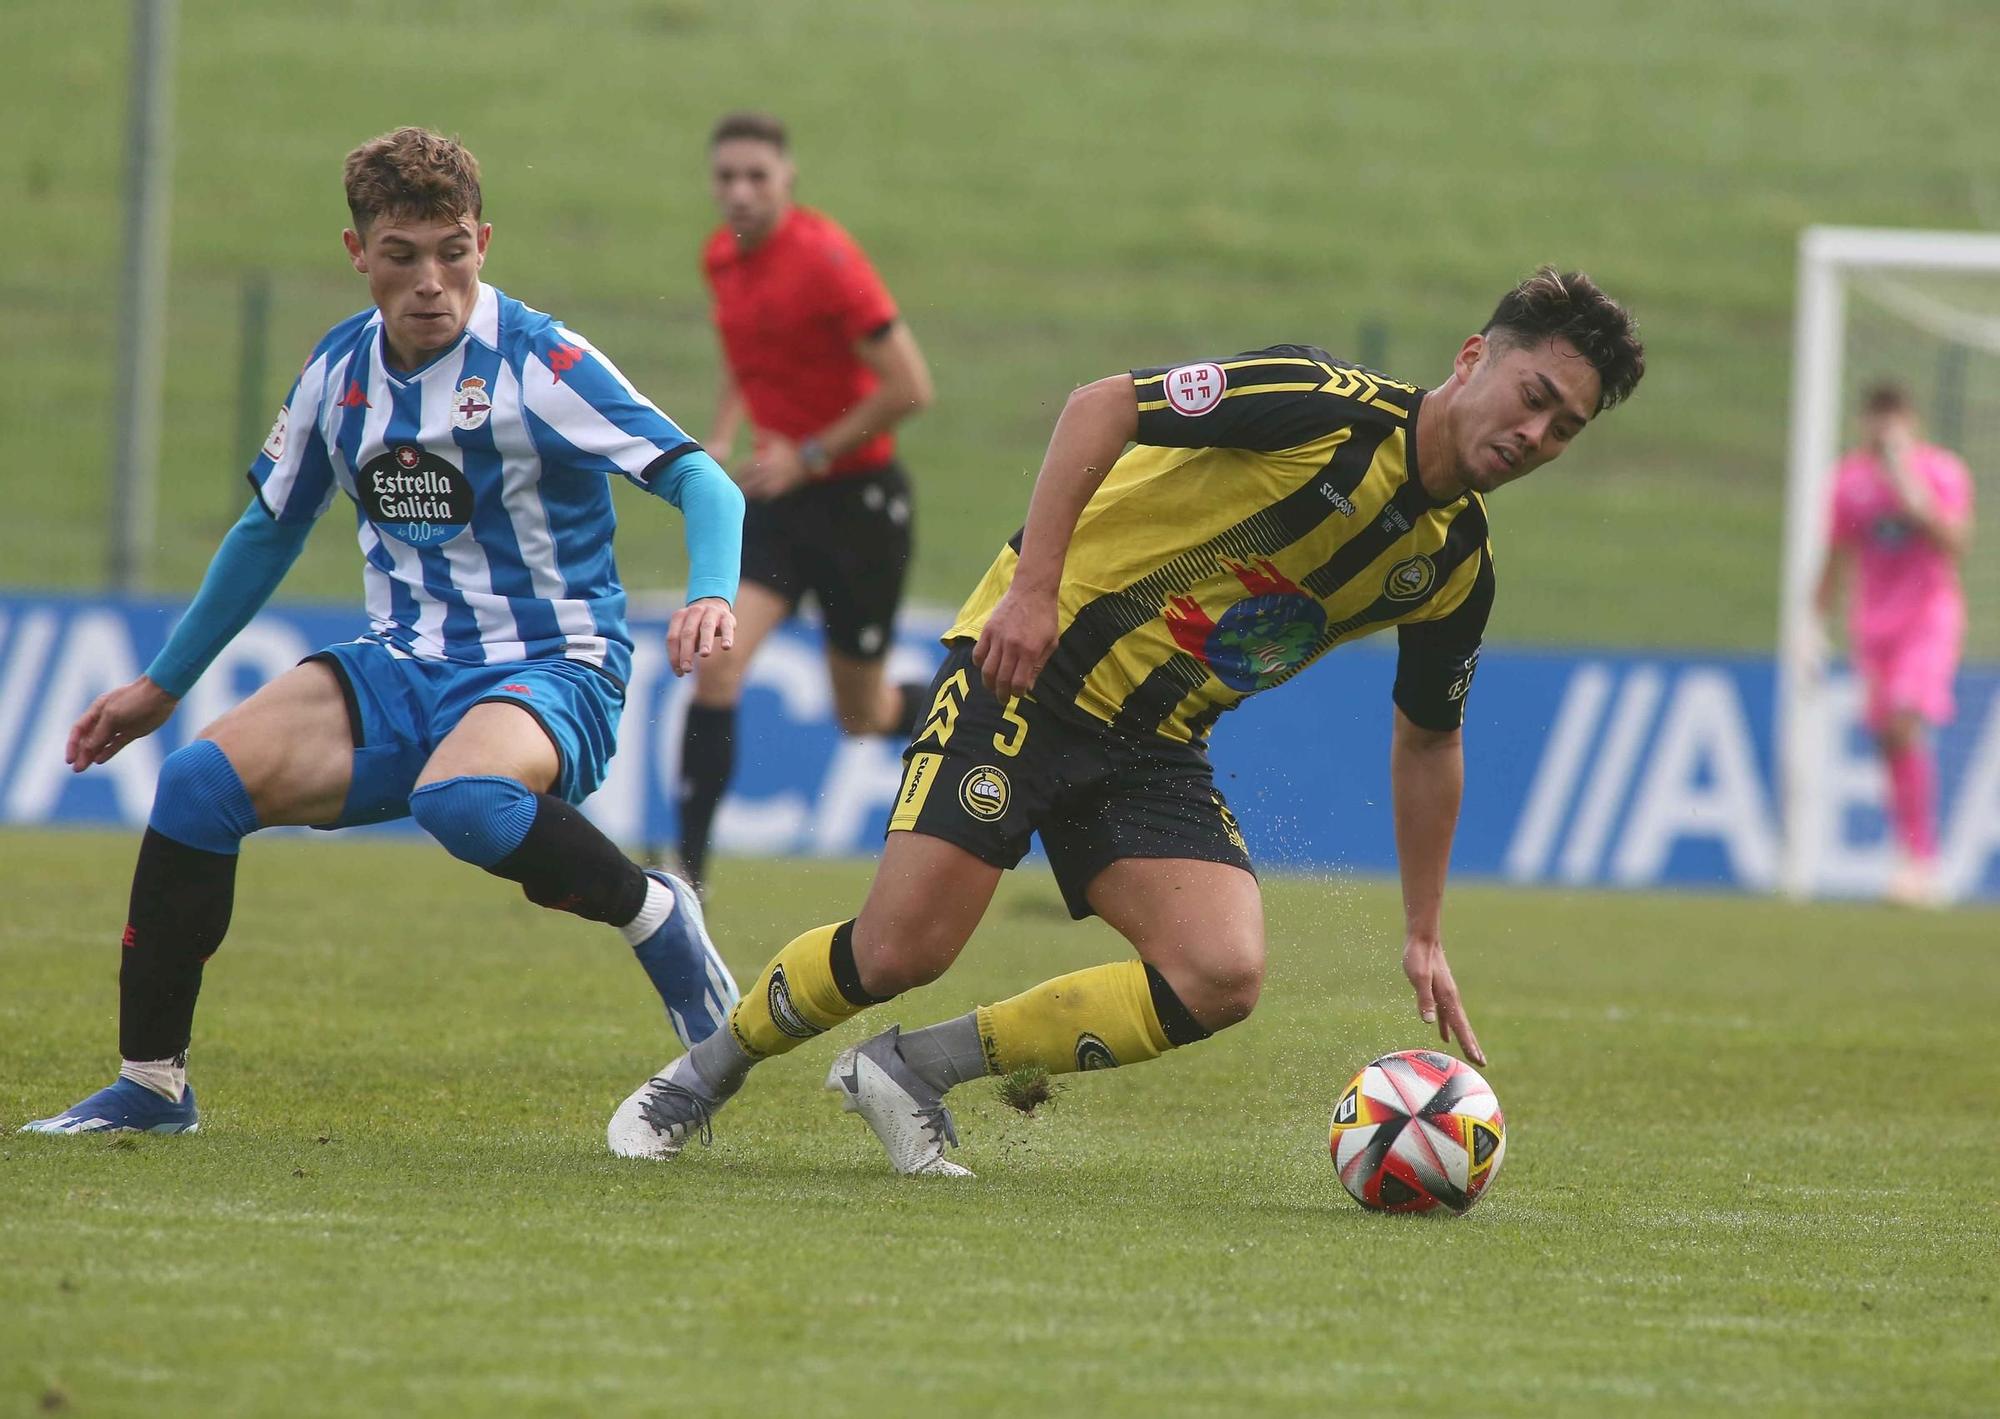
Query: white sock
x=659, y=906
x=166, y=1077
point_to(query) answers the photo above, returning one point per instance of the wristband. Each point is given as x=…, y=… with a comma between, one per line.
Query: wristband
x=814, y=458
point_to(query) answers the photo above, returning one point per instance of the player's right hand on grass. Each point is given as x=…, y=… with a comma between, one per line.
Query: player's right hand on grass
x=1437, y=995
x=1016, y=643
x=114, y=719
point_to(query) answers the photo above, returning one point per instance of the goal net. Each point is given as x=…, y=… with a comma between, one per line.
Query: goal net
x=1922, y=309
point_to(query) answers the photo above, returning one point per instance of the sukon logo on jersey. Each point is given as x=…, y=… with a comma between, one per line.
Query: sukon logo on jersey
x=414, y=496
x=1267, y=635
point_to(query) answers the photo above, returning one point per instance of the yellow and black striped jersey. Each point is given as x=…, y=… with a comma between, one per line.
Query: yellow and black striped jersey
x=1269, y=510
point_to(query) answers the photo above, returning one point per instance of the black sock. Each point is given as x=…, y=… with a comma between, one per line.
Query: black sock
x=181, y=901
x=916, y=699
x=1180, y=1027
x=708, y=759
x=567, y=863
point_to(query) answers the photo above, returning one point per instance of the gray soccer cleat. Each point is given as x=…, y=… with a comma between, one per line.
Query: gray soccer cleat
x=662, y=1114
x=907, y=1114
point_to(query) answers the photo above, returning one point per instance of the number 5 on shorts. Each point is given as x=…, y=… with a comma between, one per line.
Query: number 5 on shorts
x=1009, y=740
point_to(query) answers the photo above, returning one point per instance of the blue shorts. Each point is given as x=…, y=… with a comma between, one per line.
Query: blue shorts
x=401, y=708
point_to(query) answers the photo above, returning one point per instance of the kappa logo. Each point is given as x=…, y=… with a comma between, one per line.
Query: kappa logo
x=1410, y=578
x=784, y=1014
x=1193, y=390
x=470, y=406
x=1337, y=498
x=984, y=793
x=1093, y=1053
x=354, y=398
x=274, y=442
x=563, y=359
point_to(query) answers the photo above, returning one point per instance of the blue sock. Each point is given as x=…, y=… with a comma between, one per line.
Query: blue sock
x=200, y=802
x=477, y=818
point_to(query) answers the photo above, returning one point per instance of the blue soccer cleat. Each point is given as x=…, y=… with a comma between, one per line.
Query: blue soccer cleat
x=124, y=1107
x=684, y=967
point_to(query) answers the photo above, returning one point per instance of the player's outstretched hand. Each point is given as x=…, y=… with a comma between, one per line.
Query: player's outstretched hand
x=1437, y=995
x=1018, y=639
x=114, y=719
x=698, y=630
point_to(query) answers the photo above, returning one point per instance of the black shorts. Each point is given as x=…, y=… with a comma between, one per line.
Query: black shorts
x=847, y=542
x=988, y=776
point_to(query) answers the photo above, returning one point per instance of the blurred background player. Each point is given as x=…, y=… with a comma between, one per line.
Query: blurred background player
x=824, y=368
x=1902, y=516
x=1274, y=505
x=476, y=438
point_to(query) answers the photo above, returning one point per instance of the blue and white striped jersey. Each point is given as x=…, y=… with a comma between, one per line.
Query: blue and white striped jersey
x=480, y=483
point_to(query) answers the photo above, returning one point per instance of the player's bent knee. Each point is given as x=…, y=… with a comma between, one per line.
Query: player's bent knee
x=477, y=818
x=891, y=964
x=200, y=801
x=1222, y=992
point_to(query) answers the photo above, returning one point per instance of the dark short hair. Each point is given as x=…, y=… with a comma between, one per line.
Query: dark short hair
x=1568, y=305
x=1886, y=396
x=412, y=172
x=748, y=123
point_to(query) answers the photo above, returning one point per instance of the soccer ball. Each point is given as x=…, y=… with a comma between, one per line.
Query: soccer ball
x=1418, y=1130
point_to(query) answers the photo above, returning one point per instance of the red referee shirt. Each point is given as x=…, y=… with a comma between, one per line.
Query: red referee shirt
x=789, y=312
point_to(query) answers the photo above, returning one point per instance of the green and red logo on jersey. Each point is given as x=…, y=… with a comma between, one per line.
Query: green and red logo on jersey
x=1259, y=639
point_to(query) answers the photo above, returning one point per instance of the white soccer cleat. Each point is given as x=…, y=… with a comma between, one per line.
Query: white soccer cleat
x=908, y=1116
x=660, y=1116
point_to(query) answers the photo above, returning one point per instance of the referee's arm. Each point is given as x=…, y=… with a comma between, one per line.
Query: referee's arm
x=903, y=388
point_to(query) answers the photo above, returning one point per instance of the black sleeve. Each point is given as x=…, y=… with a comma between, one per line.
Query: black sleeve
x=1435, y=660
x=1268, y=399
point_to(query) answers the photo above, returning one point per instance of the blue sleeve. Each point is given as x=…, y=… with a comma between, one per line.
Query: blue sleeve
x=252, y=560
x=713, y=507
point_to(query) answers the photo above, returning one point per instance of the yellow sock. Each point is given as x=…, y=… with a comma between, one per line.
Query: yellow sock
x=795, y=999
x=1095, y=1019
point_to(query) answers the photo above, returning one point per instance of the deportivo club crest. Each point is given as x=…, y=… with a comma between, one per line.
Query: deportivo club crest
x=1258, y=640
x=470, y=406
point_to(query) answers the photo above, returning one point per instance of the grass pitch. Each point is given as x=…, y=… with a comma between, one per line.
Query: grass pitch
x=1749, y=1171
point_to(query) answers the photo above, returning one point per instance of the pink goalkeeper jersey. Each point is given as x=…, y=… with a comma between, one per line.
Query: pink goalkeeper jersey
x=1908, y=587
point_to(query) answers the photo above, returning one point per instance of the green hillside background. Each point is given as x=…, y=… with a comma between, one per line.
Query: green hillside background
x=1053, y=191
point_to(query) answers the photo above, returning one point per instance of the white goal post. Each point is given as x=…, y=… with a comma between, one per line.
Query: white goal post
x=1830, y=260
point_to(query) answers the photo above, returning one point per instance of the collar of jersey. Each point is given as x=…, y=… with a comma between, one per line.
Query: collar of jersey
x=486, y=293
x=787, y=224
